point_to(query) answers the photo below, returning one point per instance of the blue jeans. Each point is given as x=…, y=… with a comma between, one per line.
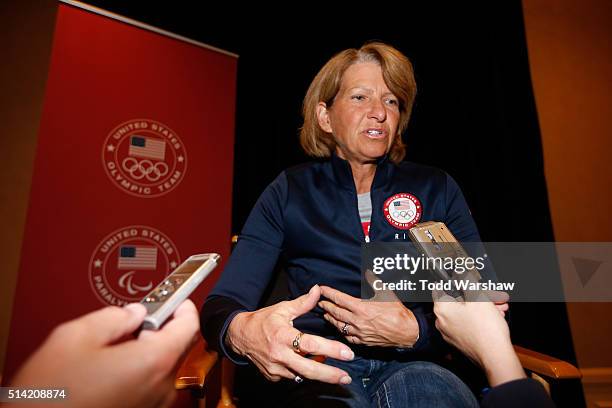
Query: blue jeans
x=385, y=384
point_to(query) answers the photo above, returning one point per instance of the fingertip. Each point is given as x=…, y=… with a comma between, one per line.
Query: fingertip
x=444, y=298
x=346, y=380
x=189, y=303
x=145, y=334
x=136, y=309
x=498, y=296
x=436, y=295
x=186, y=316
x=187, y=307
x=347, y=354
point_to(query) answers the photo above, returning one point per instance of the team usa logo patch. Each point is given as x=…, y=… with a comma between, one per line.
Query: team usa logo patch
x=144, y=158
x=129, y=262
x=402, y=210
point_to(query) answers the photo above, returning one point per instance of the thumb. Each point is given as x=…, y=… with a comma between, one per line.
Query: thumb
x=107, y=325
x=370, y=278
x=498, y=297
x=379, y=295
x=441, y=296
x=306, y=302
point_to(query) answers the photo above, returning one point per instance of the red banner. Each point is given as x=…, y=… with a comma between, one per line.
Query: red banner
x=133, y=171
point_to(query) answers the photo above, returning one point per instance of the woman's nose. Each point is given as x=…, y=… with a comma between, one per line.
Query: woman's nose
x=377, y=111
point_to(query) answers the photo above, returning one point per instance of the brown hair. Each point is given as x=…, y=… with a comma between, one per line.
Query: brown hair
x=398, y=76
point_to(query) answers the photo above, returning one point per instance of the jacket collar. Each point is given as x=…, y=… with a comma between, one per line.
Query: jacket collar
x=343, y=174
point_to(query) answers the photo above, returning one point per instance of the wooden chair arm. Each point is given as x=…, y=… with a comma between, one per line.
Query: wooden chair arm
x=196, y=366
x=548, y=366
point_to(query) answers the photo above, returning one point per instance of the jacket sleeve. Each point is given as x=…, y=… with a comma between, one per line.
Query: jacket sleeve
x=249, y=268
x=526, y=392
x=430, y=342
x=458, y=216
x=459, y=220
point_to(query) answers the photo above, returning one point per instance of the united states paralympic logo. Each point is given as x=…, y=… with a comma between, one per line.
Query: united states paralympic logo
x=144, y=158
x=129, y=262
x=402, y=210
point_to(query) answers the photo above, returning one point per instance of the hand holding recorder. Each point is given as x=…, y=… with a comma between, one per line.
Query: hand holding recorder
x=98, y=363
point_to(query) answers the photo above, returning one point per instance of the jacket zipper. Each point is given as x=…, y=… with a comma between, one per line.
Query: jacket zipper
x=365, y=238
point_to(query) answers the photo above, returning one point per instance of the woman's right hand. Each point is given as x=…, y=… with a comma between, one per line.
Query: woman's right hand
x=266, y=337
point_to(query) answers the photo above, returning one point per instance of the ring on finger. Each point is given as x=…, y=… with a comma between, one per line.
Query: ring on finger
x=345, y=329
x=296, y=345
x=298, y=379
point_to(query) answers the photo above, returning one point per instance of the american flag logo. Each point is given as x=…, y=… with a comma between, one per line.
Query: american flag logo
x=401, y=205
x=146, y=147
x=402, y=210
x=137, y=257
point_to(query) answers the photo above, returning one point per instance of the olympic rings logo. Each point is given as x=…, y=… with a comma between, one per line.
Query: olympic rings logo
x=405, y=214
x=144, y=169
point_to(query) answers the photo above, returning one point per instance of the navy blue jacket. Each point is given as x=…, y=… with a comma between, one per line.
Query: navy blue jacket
x=308, y=219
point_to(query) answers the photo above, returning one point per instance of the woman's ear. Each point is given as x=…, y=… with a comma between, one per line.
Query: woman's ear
x=323, y=117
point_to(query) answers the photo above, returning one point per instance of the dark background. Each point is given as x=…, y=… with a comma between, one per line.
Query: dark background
x=474, y=117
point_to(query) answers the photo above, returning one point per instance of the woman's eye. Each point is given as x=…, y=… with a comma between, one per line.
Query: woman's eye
x=358, y=97
x=392, y=102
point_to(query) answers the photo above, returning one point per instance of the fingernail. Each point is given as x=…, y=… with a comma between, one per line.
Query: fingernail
x=311, y=289
x=347, y=355
x=135, y=308
x=145, y=334
x=345, y=380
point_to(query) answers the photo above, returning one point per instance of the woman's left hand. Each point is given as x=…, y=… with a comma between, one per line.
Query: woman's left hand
x=373, y=323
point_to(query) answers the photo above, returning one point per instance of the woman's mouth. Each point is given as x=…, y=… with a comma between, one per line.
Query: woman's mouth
x=375, y=133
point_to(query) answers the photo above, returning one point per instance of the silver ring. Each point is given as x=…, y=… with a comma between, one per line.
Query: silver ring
x=298, y=379
x=345, y=329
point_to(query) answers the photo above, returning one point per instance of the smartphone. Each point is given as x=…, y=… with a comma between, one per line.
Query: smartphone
x=163, y=300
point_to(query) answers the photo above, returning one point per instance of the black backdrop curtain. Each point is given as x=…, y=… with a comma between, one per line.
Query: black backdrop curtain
x=474, y=116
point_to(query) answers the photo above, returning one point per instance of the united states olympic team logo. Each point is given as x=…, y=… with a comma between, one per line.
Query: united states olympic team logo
x=144, y=158
x=402, y=210
x=129, y=262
